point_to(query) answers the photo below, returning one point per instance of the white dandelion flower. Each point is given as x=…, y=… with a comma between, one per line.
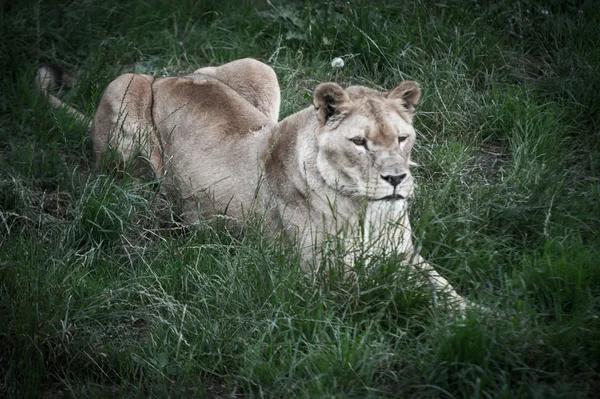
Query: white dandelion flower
x=544, y=12
x=337, y=62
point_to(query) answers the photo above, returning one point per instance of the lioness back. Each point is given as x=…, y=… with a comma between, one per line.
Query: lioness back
x=251, y=79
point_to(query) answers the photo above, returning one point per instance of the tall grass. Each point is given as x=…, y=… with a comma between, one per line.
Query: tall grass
x=104, y=293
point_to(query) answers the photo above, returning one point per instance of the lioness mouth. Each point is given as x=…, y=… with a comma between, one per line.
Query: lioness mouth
x=392, y=197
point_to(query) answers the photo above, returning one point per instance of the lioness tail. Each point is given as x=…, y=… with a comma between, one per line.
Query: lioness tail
x=51, y=77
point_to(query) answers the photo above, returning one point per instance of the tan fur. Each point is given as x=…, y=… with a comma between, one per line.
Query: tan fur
x=339, y=168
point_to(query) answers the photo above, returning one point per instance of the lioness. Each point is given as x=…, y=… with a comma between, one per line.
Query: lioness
x=337, y=168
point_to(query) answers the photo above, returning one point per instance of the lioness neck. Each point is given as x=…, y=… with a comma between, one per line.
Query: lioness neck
x=293, y=177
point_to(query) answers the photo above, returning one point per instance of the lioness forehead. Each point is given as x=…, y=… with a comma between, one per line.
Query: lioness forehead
x=383, y=121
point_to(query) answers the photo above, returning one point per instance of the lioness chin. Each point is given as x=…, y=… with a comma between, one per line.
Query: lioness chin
x=337, y=168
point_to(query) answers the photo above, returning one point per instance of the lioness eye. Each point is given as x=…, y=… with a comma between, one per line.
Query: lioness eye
x=360, y=141
x=402, y=138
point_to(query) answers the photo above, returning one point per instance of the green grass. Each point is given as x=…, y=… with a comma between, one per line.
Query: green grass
x=103, y=293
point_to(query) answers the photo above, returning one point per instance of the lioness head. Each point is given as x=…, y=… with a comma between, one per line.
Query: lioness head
x=365, y=139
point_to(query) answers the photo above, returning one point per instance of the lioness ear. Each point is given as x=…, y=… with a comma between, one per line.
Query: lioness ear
x=408, y=92
x=331, y=102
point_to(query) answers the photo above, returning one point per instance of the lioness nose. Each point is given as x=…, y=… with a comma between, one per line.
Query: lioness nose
x=394, y=180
